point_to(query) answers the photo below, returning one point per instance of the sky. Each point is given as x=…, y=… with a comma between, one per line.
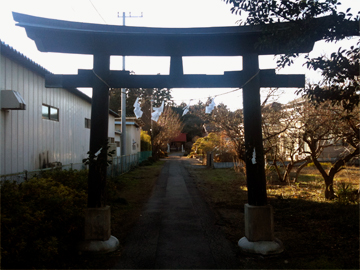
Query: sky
x=154, y=13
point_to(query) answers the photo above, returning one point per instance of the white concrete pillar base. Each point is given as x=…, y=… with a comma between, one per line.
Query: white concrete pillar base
x=97, y=246
x=259, y=231
x=261, y=247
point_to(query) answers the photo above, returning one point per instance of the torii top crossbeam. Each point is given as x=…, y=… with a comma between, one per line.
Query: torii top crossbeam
x=85, y=38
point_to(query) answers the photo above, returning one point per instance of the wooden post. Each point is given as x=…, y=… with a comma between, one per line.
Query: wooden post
x=99, y=130
x=255, y=164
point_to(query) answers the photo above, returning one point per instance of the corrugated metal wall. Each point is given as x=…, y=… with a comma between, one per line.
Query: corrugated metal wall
x=132, y=139
x=27, y=141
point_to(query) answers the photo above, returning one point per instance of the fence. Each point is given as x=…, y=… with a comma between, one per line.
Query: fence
x=119, y=166
x=144, y=155
x=20, y=177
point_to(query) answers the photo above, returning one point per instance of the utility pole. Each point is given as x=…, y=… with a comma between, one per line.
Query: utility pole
x=123, y=94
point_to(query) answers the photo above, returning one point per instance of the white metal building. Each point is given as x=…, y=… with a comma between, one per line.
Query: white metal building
x=133, y=129
x=38, y=125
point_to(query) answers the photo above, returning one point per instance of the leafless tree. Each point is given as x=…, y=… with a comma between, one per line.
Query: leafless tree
x=327, y=126
x=283, y=144
x=230, y=124
x=165, y=129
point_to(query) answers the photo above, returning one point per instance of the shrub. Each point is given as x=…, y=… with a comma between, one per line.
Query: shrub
x=145, y=140
x=146, y=163
x=71, y=178
x=162, y=154
x=42, y=219
x=346, y=194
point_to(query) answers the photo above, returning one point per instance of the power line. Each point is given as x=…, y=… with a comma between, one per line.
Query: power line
x=203, y=98
x=101, y=79
x=234, y=90
x=97, y=11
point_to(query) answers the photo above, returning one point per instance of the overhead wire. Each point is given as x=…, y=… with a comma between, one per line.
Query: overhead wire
x=97, y=11
x=214, y=96
x=231, y=91
x=101, y=79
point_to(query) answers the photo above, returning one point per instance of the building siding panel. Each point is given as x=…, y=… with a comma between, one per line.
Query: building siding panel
x=20, y=120
x=29, y=142
x=25, y=95
x=14, y=114
x=2, y=137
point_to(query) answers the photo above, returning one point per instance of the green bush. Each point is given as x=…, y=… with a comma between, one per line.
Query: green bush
x=145, y=140
x=346, y=194
x=41, y=219
x=71, y=178
x=146, y=162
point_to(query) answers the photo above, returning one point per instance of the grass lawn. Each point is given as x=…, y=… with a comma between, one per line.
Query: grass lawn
x=317, y=234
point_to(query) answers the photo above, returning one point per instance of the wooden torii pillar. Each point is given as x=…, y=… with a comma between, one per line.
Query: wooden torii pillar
x=258, y=214
x=99, y=134
x=105, y=40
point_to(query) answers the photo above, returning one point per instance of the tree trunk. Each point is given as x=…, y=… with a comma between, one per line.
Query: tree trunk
x=329, y=180
x=277, y=169
x=307, y=161
x=337, y=166
x=288, y=169
x=329, y=188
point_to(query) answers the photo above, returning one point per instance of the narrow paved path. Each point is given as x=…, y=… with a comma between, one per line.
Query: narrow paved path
x=176, y=228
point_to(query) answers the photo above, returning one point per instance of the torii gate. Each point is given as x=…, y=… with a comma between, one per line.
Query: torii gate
x=102, y=41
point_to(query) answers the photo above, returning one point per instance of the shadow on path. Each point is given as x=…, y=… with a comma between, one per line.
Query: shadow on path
x=176, y=228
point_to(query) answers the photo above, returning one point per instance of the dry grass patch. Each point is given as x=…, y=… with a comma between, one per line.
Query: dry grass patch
x=317, y=234
x=310, y=185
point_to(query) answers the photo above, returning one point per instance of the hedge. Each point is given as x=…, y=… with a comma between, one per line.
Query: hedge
x=42, y=219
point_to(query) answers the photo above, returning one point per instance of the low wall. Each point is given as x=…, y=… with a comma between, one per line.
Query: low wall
x=224, y=165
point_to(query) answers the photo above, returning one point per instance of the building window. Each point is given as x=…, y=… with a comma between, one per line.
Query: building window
x=87, y=123
x=50, y=113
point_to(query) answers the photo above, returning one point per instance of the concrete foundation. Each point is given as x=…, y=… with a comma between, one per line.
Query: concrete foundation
x=259, y=231
x=98, y=236
x=107, y=246
x=259, y=223
x=261, y=247
x=97, y=223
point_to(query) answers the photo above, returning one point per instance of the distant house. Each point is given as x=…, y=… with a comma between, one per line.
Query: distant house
x=178, y=143
x=39, y=126
x=291, y=137
x=133, y=130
